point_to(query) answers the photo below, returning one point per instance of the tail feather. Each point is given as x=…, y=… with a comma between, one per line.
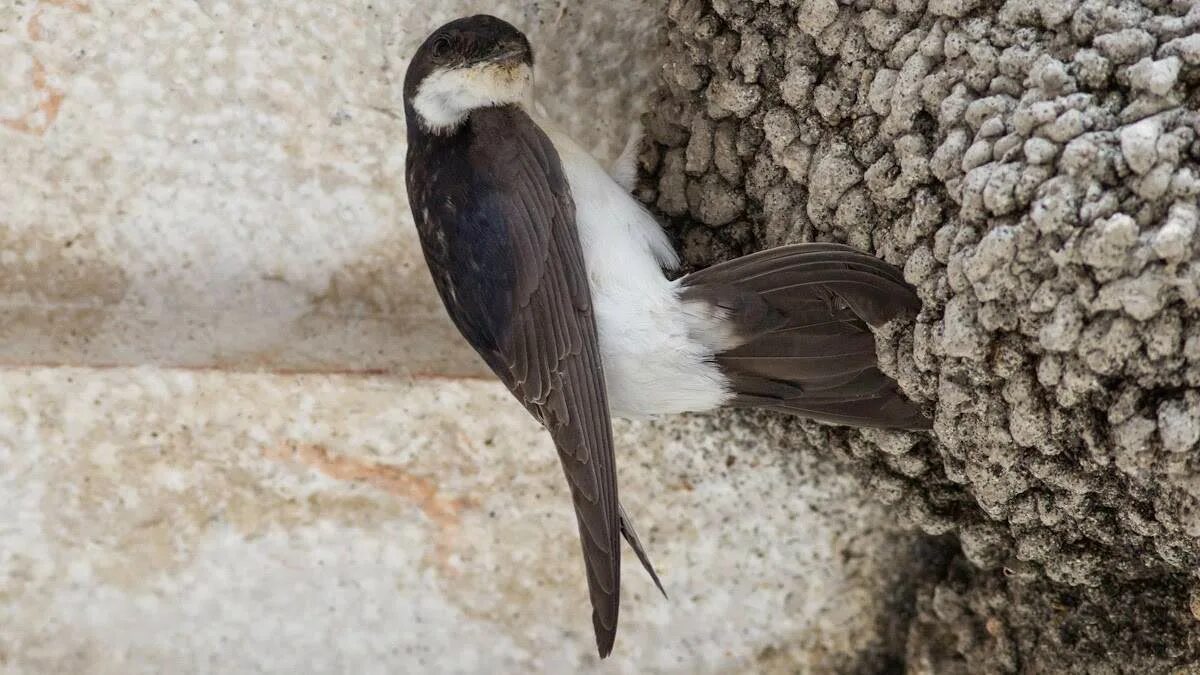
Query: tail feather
x=635, y=542
x=882, y=412
x=865, y=383
x=801, y=317
x=786, y=265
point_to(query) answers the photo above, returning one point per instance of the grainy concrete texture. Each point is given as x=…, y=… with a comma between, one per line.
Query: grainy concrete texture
x=1034, y=167
x=217, y=187
x=196, y=523
x=220, y=183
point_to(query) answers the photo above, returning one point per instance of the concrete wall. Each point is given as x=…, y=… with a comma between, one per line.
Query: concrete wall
x=237, y=433
x=202, y=183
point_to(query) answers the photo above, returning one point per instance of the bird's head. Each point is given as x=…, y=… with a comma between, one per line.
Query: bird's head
x=470, y=63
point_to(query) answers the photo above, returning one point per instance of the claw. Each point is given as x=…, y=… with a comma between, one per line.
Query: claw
x=624, y=169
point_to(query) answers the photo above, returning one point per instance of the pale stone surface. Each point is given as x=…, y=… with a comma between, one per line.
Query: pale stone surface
x=165, y=521
x=201, y=182
x=218, y=185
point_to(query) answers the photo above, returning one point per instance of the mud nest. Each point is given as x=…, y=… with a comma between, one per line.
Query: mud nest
x=1034, y=167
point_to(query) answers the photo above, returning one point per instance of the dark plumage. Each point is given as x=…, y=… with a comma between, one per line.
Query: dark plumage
x=801, y=313
x=497, y=225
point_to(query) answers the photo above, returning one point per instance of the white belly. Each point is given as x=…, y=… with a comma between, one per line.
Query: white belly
x=654, y=360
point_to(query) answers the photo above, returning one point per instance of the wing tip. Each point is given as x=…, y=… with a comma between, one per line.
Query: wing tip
x=605, y=636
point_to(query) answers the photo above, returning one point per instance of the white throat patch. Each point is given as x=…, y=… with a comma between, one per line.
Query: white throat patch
x=446, y=96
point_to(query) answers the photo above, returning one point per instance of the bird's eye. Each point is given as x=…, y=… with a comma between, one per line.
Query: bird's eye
x=441, y=47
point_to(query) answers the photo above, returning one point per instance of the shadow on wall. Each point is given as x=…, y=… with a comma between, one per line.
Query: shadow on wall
x=220, y=185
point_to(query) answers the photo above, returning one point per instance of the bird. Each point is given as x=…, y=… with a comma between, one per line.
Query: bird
x=566, y=286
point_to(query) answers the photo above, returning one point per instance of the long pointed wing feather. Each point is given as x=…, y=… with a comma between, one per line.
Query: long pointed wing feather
x=512, y=277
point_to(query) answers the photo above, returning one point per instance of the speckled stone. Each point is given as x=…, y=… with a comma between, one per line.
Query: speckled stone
x=220, y=183
x=209, y=522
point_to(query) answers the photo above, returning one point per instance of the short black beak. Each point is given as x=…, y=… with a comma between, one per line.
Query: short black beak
x=510, y=55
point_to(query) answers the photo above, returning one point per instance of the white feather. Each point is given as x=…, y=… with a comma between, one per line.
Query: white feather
x=657, y=352
x=656, y=356
x=447, y=96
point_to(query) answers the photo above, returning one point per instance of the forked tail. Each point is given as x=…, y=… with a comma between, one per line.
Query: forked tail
x=801, y=343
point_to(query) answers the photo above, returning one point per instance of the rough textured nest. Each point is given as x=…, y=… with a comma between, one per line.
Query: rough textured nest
x=1034, y=167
